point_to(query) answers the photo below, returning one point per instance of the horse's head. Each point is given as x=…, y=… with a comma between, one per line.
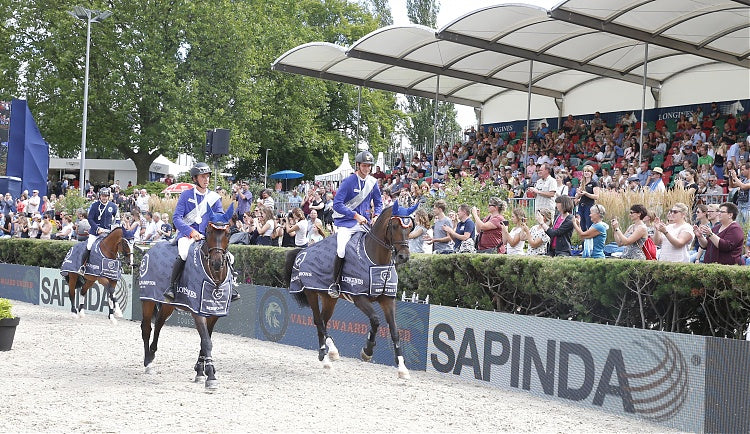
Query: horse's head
x=397, y=231
x=217, y=238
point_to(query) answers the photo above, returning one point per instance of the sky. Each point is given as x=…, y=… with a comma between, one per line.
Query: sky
x=449, y=11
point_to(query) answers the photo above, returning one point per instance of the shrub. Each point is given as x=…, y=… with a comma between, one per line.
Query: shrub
x=5, y=309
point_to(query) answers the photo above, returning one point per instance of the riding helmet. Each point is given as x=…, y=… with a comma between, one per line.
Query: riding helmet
x=104, y=191
x=364, y=157
x=199, y=169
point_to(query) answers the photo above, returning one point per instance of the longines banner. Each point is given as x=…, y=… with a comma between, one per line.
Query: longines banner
x=281, y=319
x=239, y=321
x=19, y=282
x=639, y=373
x=53, y=292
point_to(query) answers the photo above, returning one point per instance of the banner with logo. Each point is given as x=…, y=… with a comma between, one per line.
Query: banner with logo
x=640, y=373
x=53, y=292
x=239, y=321
x=281, y=319
x=19, y=282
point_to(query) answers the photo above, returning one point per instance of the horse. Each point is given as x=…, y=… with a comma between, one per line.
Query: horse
x=385, y=243
x=111, y=245
x=214, y=257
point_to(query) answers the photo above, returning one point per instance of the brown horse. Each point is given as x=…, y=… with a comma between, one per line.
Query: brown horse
x=214, y=256
x=113, y=244
x=385, y=243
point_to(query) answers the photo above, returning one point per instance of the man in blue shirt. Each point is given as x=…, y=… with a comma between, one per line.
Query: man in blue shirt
x=189, y=219
x=357, y=195
x=101, y=216
x=464, y=230
x=244, y=198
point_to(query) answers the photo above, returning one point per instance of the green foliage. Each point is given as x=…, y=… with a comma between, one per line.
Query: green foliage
x=5, y=309
x=470, y=191
x=72, y=202
x=153, y=187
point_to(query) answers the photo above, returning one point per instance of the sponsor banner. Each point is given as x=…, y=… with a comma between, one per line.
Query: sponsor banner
x=53, y=292
x=734, y=107
x=19, y=282
x=239, y=321
x=645, y=374
x=281, y=319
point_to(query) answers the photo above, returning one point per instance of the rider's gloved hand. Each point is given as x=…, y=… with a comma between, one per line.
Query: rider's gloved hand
x=196, y=235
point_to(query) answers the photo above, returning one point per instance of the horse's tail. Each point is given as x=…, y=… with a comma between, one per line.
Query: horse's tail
x=291, y=255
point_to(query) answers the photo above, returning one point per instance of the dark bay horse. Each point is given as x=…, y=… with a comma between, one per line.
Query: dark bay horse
x=385, y=243
x=215, y=260
x=111, y=245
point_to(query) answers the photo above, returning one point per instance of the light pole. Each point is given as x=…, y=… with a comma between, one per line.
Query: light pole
x=265, y=176
x=90, y=16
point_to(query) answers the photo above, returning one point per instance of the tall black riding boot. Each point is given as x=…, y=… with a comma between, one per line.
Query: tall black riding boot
x=84, y=260
x=335, y=289
x=169, y=294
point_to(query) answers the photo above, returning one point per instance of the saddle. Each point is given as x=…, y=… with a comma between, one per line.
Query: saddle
x=195, y=290
x=313, y=269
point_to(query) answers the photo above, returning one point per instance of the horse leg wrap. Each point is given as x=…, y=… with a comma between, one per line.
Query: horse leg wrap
x=322, y=353
x=209, y=368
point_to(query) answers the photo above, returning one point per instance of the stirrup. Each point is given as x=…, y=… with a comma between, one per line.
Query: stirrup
x=169, y=294
x=334, y=291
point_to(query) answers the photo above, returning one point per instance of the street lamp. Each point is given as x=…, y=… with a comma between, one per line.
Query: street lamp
x=90, y=16
x=265, y=177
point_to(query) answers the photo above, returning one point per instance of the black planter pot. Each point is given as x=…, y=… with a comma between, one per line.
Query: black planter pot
x=7, y=332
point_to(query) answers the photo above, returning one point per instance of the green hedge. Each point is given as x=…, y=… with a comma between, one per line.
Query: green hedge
x=712, y=300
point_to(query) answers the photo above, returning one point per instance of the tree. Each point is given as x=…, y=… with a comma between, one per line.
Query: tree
x=164, y=72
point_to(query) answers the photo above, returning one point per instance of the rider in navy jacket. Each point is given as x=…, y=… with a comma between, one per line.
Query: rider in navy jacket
x=357, y=195
x=101, y=216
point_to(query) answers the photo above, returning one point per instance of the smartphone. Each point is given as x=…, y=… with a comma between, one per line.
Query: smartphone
x=506, y=223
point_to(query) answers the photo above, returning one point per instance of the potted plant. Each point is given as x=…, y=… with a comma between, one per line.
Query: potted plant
x=8, y=324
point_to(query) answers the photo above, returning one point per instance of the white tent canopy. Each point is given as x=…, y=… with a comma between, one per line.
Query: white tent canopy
x=341, y=172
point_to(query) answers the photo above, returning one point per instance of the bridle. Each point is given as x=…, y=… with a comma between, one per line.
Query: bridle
x=208, y=250
x=405, y=222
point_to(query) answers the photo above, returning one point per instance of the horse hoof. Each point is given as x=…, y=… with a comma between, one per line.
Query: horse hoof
x=212, y=384
x=112, y=319
x=81, y=315
x=74, y=315
x=150, y=370
x=200, y=379
x=404, y=374
x=327, y=362
x=118, y=312
x=364, y=356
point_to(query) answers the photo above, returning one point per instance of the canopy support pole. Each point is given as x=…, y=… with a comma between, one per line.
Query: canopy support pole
x=359, y=118
x=434, y=127
x=643, y=101
x=528, y=114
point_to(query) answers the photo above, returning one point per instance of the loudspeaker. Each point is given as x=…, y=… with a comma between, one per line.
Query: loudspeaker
x=220, y=142
x=209, y=141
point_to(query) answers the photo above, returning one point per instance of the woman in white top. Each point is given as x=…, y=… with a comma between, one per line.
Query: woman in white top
x=562, y=188
x=67, y=229
x=416, y=236
x=299, y=228
x=538, y=238
x=315, y=234
x=516, y=238
x=267, y=224
x=674, y=238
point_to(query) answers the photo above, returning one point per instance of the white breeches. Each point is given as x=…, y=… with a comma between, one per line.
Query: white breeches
x=343, y=235
x=91, y=240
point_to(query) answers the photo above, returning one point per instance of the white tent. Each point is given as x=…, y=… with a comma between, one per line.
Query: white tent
x=380, y=161
x=341, y=172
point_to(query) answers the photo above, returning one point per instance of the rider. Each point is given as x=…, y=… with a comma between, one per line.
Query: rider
x=189, y=221
x=354, y=198
x=102, y=215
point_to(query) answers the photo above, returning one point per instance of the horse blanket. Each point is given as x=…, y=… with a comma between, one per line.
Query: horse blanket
x=313, y=269
x=98, y=265
x=195, y=290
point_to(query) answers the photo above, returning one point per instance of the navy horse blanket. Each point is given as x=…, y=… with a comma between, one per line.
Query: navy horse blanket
x=195, y=290
x=98, y=265
x=313, y=269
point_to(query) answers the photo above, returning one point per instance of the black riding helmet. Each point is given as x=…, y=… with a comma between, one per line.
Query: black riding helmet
x=364, y=157
x=199, y=169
